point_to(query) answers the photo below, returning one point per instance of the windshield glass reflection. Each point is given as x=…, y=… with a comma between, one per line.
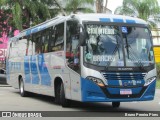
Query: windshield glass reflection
x=104, y=46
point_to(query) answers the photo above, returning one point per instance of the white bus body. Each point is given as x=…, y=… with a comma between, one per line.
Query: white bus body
x=32, y=68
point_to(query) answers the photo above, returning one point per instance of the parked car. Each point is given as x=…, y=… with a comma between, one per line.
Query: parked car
x=3, y=76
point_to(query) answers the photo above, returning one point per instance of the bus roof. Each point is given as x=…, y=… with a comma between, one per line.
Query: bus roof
x=81, y=17
x=110, y=18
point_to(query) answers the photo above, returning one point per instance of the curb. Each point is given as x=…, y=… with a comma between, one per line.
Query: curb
x=3, y=85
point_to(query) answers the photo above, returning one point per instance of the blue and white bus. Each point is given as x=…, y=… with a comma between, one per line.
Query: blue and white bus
x=84, y=57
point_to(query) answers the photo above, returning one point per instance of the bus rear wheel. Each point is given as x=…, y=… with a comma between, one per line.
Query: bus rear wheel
x=23, y=93
x=64, y=102
x=115, y=104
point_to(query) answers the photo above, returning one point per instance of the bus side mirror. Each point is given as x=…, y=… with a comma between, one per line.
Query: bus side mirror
x=82, y=39
x=83, y=35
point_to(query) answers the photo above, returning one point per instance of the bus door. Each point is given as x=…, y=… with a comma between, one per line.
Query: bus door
x=72, y=58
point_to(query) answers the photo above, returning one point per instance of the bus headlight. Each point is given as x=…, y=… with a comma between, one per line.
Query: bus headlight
x=148, y=81
x=99, y=82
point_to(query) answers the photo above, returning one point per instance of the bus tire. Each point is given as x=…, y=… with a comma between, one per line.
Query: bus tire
x=115, y=104
x=64, y=102
x=57, y=94
x=23, y=93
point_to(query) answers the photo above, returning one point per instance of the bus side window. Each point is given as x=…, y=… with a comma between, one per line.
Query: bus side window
x=45, y=40
x=72, y=45
x=52, y=38
x=36, y=42
x=59, y=38
x=29, y=45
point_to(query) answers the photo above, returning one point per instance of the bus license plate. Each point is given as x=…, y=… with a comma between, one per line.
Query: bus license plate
x=125, y=92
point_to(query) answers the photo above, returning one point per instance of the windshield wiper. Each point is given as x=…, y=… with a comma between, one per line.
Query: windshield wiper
x=131, y=55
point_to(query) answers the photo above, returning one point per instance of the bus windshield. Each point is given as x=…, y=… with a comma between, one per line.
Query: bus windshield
x=109, y=45
x=138, y=46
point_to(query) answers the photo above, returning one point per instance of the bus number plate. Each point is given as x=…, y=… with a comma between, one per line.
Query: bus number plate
x=125, y=92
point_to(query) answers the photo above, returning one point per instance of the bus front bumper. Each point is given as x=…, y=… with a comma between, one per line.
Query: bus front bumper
x=93, y=93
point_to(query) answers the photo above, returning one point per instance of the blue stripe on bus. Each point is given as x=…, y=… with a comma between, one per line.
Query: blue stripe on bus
x=34, y=71
x=105, y=19
x=27, y=69
x=130, y=21
x=34, y=30
x=42, y=27
x=118, y=20
x=45, y=76
x=28, y=32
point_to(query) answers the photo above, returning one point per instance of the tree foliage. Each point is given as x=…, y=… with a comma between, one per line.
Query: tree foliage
x=74, y=6
x=147, y=10
x=24, y=11
x=27, y=13
x=4, y=22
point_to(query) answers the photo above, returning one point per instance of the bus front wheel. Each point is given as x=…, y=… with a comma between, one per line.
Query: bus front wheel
x=23, y=93
x=64, y=102
x=115, y=104
x=57, y=94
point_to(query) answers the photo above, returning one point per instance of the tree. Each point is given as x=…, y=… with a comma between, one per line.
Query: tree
x=101, y=8
x=25, y=11
x=4, y=22
x=60, y=7
x=147, y=10
x=73, y=6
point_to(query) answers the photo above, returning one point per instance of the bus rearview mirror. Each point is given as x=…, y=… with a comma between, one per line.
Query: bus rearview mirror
x=83, y=34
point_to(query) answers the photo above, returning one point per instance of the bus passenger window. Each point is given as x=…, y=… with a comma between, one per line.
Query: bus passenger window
x=36, y=42
x=58, y=38
x=45, y=40
x=52, y=39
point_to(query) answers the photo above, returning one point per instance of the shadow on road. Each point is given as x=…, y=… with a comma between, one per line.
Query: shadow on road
x=79, y=106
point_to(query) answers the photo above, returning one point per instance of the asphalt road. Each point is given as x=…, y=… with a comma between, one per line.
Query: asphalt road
x=10, y=100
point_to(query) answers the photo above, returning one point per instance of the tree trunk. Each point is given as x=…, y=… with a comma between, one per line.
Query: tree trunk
x=105, y=7
x=99, y=6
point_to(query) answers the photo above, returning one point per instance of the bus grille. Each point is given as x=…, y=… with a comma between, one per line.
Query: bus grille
x=124, y=76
